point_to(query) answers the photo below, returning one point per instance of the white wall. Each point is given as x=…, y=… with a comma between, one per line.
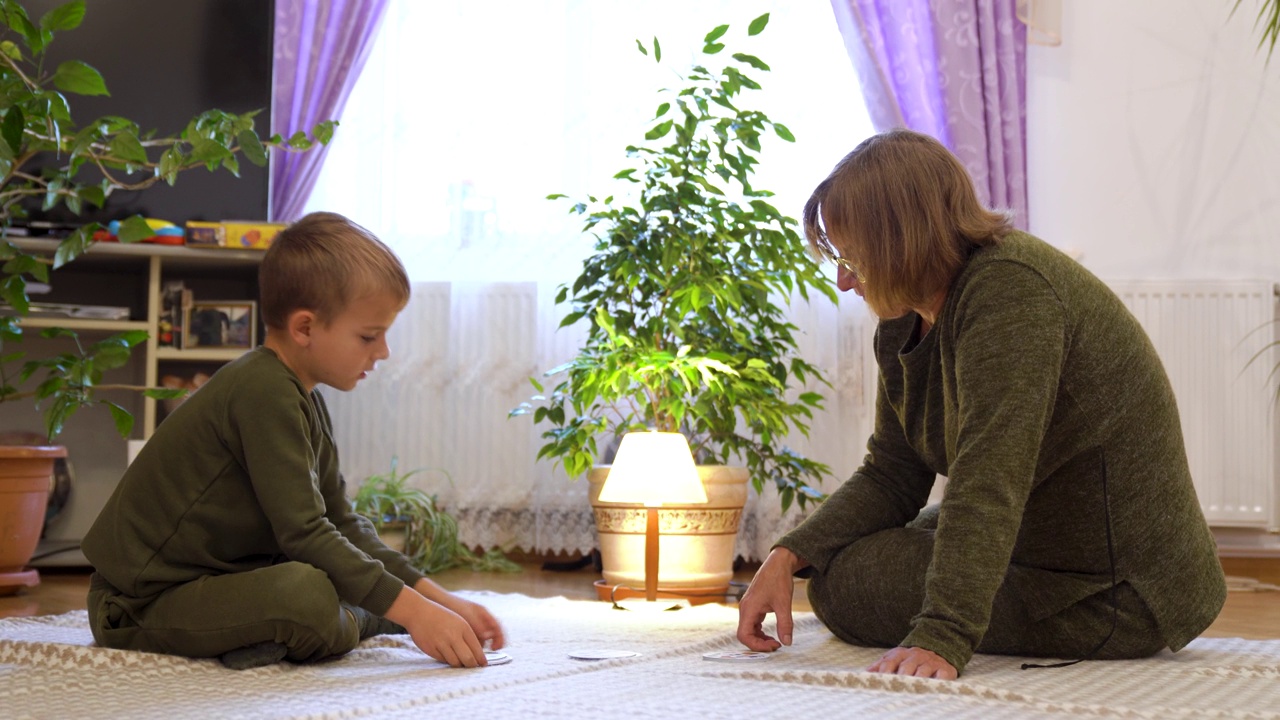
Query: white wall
x=1154, y=149
x=1154, y=140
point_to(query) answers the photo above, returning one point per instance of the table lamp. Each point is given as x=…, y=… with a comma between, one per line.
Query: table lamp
x=652, y=469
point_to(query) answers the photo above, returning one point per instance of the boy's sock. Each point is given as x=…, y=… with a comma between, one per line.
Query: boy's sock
x=266, y=653
x=371, y=624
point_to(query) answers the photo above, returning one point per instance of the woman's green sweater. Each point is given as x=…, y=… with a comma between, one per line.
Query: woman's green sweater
x=1039, y=397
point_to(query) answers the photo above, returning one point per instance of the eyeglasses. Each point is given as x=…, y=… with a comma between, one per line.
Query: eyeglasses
x=854, y=269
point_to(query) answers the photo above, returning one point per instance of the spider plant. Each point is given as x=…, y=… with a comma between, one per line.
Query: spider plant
x=1268, y=20
x=431, y=534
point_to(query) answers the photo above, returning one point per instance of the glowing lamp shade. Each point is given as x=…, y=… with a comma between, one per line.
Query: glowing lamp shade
x=653, y=468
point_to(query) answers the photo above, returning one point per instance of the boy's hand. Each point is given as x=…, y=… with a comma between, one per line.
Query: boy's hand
x=447, y=637
x=436, y=630
x=482, y=622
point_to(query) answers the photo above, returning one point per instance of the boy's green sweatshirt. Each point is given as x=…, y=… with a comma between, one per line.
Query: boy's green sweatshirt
x=242, y=475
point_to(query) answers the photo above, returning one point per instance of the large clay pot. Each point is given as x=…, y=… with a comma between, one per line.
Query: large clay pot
x=696, y=544
x=26, y=475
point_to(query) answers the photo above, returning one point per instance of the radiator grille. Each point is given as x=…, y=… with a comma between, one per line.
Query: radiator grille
x=1206, y=333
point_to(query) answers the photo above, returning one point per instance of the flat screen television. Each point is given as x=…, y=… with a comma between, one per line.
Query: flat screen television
x=165, y=61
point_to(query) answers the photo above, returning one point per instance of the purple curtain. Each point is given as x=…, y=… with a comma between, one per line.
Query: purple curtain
x=320, y=48
x=955, y=69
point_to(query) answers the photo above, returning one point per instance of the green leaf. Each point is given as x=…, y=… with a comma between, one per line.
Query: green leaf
x=133, y=338
x=56, y=417
x=712, y=48
x=165, y=393
x=323, y=132
x=123, y=419
x=110, y=356
x=252, y=147
x=77, y=77
x=657, y=50
x=643, y=50
x=658, y=131
x=58, y=110
x=783, y=132
x=751, y=60
x=92, y=194
x=11, y=51
x=715, y=34
x=134, y=229
x=127, y=147
x=11, y=130
x=74, y=245
x=14, y=292
x=17, y=19
x=57, y=332
x=757, y=26
x=64, y=17
x=662, y=110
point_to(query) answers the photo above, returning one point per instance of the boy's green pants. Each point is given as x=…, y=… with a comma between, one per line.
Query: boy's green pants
x=874, y=587
x=291, y=603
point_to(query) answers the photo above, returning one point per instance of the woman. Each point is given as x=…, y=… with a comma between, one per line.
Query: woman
x=1070, y=527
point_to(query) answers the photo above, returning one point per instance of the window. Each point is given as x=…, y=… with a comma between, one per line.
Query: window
x=468, y=114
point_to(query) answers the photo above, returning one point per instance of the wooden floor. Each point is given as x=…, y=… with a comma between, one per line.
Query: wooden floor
x=1254, y=615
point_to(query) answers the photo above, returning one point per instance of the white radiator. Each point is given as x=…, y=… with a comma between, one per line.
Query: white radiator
x=1206, y=332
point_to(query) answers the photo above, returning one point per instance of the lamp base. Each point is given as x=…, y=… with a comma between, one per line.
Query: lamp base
x=694, y=595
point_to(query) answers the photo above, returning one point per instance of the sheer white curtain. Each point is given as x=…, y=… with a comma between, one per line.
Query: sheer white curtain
x=467, y=115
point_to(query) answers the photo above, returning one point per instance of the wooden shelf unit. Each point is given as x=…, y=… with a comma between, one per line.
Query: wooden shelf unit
x=148, y=266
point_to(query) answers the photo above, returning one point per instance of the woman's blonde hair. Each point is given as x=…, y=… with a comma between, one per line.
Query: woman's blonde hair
x=322, y=263
x=903, y=210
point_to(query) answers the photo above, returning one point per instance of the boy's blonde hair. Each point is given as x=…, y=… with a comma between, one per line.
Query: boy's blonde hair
x=322, y=263
x=903, y=210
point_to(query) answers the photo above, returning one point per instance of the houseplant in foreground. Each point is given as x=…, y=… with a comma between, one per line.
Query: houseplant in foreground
x=36, y=128
x=412, y=522
x=37, y=125
x=684, y=296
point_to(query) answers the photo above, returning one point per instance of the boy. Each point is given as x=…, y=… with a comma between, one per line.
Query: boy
x=231, y=535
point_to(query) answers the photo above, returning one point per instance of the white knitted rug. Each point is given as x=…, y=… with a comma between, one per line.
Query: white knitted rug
x=49, y=668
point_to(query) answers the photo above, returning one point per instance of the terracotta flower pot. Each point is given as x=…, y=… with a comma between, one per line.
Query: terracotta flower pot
x=26, y=475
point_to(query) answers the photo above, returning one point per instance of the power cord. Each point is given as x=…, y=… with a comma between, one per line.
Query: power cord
x=59, y=551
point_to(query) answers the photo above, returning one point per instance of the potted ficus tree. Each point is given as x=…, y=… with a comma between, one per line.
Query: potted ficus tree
x=36, y=122
x=684, y=305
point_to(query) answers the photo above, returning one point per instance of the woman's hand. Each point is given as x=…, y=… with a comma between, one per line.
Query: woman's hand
x=770, y=592
x=914, y=661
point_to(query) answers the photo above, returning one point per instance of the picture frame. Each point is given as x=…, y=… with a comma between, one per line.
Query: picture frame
x=220, y=324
